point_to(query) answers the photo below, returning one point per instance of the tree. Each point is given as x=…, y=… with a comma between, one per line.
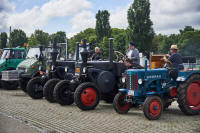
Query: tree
x=103, y=28
x=140, y=28
x=32, y=41
x=88, y=34
x=17, y=38
x=3, y=39
x=60, y=37
x=42, y=37
x=187, y=28
x=189, y=43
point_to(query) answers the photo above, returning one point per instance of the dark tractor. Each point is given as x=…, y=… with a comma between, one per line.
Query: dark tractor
x=52, y=70
x=64, y=72
x=55, y=71
x=93, y=81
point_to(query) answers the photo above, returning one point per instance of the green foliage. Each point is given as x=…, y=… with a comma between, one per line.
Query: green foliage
x=3, y=40
x=39, y=37
x=189, y=43
x=32, y=41
x=88, y=34
x=140, y=25
x=60, y=37
x=17, y=38
x=103, y=28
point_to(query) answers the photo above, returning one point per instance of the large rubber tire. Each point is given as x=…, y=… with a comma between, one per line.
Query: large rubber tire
x=120, y=105
x=87, y=96
x=10, y=85
x=63, y=94
x=153, y=107
x=183, y=99
x=23, y=85
x=32, y=88
x=48, y=90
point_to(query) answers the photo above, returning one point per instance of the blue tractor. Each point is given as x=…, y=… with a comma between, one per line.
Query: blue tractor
x=156, y=89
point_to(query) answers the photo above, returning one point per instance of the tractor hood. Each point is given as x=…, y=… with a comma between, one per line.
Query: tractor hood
x=27, y=63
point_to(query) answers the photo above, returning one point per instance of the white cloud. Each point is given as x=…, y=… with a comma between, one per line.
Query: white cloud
x=118, y=17
x=83, y=20
x=169, y=16
x=37, y=17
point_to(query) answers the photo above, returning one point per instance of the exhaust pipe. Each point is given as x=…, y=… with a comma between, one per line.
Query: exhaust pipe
x=111, y=52
x=54, y=52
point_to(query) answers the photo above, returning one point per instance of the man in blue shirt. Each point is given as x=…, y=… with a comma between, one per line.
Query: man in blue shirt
x=175, y=59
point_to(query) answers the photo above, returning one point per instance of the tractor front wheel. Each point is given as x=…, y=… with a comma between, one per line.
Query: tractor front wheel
x=35, y=88
x=189, y=95
x=63, y=94
x=153, y=107
x=87, y=96
x=49, y=88
x=121, y=106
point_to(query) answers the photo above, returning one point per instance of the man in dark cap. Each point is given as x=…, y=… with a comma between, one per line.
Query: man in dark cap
x=133, y=54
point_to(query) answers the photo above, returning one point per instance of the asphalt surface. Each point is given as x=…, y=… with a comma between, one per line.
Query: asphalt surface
x=54, y=118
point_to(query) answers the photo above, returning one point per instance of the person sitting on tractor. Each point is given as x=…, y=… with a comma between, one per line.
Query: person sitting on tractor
x=128, y=63
x=133, y=54
x=97, y=55
x=175, y=59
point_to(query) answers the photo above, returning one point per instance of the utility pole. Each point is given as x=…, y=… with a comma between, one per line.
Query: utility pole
x=10, y=29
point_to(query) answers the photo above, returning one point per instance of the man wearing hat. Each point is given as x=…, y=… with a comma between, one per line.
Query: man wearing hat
x=133, y=54
x=175, y=59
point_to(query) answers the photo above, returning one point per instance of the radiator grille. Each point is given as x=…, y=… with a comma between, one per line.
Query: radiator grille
x=131, y=82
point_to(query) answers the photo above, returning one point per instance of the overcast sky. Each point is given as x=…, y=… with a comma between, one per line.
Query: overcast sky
x=73, y=16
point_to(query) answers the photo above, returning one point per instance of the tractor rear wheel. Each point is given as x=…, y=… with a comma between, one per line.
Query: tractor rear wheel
x=9, y=85
x=49, y=88
x=189, y=95
x=87, y=96
x=121, y=106
x=153, y=107
x=35, y=88
x=63, y=94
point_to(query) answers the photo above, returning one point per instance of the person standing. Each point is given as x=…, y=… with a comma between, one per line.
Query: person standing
x=133, y=54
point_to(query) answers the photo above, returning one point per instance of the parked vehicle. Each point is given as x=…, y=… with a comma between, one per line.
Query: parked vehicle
x=156, y=89
x=93, y=81
x=29, y=68
x=10, y=58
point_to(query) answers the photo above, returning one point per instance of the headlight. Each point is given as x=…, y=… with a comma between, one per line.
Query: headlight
x=47, y=71
x=139, y=81
x=123, y=79
x=40, y=68
x=26, y=70
x=52, y=68
x=84, y=70
x=17, y=68
x=66, y=69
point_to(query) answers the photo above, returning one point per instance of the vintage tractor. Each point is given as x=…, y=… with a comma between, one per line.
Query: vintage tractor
x=54, y=70
x=36, y=56
x=156, y=89
x=93, y=81
x=10, y=58
x=68, y=71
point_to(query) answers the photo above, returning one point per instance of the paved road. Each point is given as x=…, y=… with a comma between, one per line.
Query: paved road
x=8, y=125
x=56, y=118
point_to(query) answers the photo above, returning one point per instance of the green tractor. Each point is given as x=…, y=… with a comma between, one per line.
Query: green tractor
x=29, y=68
x=10, y=58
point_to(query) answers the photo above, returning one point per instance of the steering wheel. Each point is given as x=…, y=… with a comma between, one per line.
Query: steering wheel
x=120, y=56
